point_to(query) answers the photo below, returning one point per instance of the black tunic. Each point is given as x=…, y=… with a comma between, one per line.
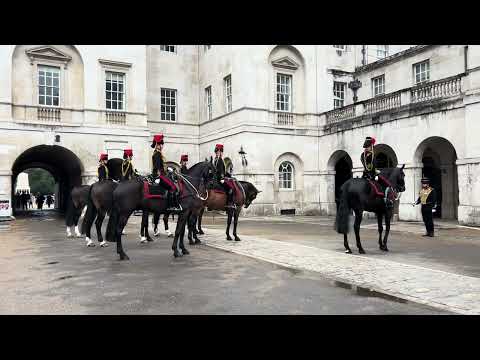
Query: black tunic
x=183, y=169
x=431, y=200
x=220, y=166
x=368, y=163
x=158, y=164
x=102, y=173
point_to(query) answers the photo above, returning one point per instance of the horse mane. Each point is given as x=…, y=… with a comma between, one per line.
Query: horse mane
x=193, y=167
x=249, y=184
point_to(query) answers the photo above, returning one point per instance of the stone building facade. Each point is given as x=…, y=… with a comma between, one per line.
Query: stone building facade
x=300, y=113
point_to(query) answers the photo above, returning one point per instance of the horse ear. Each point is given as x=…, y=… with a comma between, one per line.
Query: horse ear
x=259, y=191
x=403, y=166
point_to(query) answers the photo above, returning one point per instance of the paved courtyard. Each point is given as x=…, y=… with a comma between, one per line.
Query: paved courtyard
x=43, y=272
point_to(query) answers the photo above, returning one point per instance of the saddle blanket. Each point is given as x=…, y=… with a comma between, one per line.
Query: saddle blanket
x=153, y=192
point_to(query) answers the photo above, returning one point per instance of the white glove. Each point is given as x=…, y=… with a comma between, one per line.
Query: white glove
x=170, y=169
x=222, y=181
x=157, y=181
x=413, y=204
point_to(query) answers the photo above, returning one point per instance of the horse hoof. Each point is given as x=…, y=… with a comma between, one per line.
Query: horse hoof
x=361, y=251
x=190, y=242
x=143, y=240
x=103, y=244
x=348, y=251
x=185, y=252
x=124, y=257
x=384, y=248
x=198, y=242
x=156, y=233
x=90, y=243
x=69, y=235
x=229, y=238
x=201, y=232
x=237, y=238
x=170, y=235
x=150, y=239
x=176, y=253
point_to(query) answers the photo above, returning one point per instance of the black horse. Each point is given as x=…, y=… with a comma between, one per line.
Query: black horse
x=80, y=194
x=129, y=196
x=357, y=195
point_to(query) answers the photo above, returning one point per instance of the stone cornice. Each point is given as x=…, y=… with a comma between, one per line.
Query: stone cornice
x=48, y=53
x=112, y=63
x=286, y=62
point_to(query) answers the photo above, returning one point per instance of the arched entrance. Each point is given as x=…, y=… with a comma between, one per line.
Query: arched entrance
x=63, y=164
x=341, y=162
x=438, y=157
x=385, y=157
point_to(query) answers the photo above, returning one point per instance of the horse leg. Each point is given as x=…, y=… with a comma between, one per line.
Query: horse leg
x=144, y=226
x=358, y=220
x=380, y=229
x=165, y=223
x=190, y=230
x=229, y=221
x=200, y=231
x=345, y=243
x=195, y=231
x=147, y=234
x=178, y=231
x=98, y=225
x=235, y=222
x=122, y=221
x=388, y=218
x=156, y=219
x=182, y=246
x=76, y=218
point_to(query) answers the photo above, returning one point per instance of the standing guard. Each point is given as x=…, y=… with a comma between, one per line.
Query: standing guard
x=428, y=199
x=368, y=159
x=102, y=167
x=219, y=165
x=127, y=166
x=183, y=163
x=159, y=172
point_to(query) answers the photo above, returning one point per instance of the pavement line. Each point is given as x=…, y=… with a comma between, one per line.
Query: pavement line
x=436, y=288
x=468, y=227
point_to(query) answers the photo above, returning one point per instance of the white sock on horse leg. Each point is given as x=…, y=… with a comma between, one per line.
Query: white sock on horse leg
x=69, y=233
x=89, y=241
x=143, y=239
x=77, y=232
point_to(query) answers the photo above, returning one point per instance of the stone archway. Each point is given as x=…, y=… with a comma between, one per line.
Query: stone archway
x=385, y=157
x=341, y=163
x=63, y=164
x=438, y=157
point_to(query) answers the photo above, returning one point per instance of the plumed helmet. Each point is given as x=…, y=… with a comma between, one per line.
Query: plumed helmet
x=219, y=147
x=157, y=139
x=103, y=156
x=127, y=153
x=184, y=158
x=369, y=141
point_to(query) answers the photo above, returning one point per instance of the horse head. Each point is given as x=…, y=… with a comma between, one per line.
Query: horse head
x=251, y=192
x=397, y=178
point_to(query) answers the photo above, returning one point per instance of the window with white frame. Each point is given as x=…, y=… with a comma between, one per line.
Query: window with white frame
x=168, y=104
x=382, y=51
x=208, y=102
x=421, y=72
x=285, y=175
x=378, y=85
x=339, y=94
x=48, y=85
x=227, y=81
x=168, y=48
x=340, y=47
x=206, y=47
x=284, y=92
x=114, y=90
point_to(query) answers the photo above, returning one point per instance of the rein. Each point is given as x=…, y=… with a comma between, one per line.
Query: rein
x=194, y=188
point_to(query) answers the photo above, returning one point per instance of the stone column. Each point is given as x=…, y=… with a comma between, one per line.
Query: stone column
x=327, y=192
x=413, y=177
x=469, y=191
x=6, y=195
x=88, y=178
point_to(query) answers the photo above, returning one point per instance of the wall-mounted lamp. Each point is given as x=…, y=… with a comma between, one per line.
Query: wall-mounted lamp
x=355, y=85
x=242, y=154
x=57, y=138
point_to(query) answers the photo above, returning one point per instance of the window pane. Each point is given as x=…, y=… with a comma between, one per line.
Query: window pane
x=49, y=91
x=41, y=90
x=120, y=106
x=41, y=80
x=49, y=81
x=48, y=100
x=109, y=95
x=55, y=101
x=120, y=87
x=55, y=91
x=114, y=86
x=41, y=100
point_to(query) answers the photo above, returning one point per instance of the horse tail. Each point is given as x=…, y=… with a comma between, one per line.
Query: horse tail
x=343, y=211
x=70, y=211
x=90, y=214
x=112, y=224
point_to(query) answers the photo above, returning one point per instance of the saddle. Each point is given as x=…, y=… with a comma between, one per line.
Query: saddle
x=237, y=192
x=153, y=191
x=379, y=189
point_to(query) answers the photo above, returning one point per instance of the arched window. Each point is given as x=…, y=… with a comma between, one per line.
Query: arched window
x=285, y=175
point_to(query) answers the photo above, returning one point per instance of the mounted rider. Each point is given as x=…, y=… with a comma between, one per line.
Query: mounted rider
x=102, y=167
x=127, y=166
x=183, y=163
x=222, y=177
x=371, y=173
x=160, y=171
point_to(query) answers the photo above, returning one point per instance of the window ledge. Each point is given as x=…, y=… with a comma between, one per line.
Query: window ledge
x=120, y=64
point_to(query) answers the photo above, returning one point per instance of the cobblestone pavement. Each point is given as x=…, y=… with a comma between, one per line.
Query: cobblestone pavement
x=43, y=272
x=441, y=271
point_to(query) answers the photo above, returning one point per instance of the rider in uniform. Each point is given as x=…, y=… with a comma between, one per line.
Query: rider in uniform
x=219, y=165
x=102, y=168
x=183, y=163
x=428, y=198
x=368, y=159
x=159, y=172
x=127, y=167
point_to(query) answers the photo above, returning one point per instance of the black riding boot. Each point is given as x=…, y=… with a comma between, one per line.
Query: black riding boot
x=173, y=205
x=230, y=204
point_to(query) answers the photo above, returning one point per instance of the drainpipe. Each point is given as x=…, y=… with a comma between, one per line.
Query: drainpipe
x=364, y=51
x=318, y=118
x=465, y=57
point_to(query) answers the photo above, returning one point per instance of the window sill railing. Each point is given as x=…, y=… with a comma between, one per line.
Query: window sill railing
x=285, y=118
x=48, y=114
x=116, y=117
x=440, y=89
